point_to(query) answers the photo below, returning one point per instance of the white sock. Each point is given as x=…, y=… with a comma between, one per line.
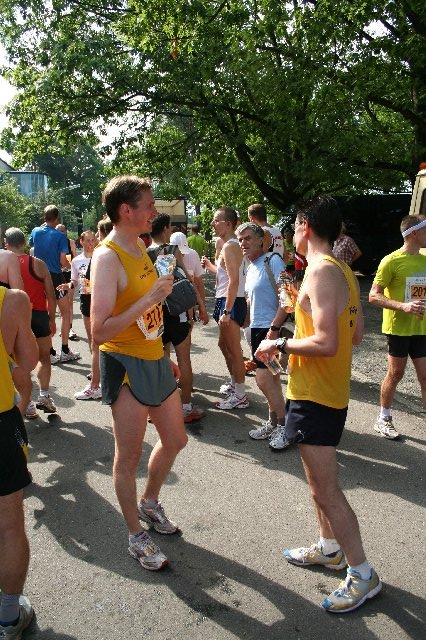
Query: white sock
x=44, y=393
x=240, y=389
x=329, y=545
x=385, y=413
x=187, y=407
x=233, y=381
x=364, y=570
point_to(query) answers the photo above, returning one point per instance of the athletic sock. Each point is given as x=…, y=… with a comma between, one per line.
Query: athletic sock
x=45, y=394
x=233, y=381
x=363, y=570
x=134, y=537
x=385, y=413
x=240, y=389
x=65, y=348
x=9, y=609
x=187, y=407
x=329, y=545
x=149, y=503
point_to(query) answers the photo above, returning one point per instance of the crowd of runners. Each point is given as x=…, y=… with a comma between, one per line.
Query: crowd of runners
x=125, y=297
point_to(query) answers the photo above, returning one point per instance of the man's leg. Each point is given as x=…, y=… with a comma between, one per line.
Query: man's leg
x=396, y=368
x=168, y=420
x=44, y=367
x=14, y=547
x=271, y=388
x=183, y=356
x=420, y=366
x=129, y=423
x=230, y=345
x=334, y=512
x=88, y=328
x=64, y=309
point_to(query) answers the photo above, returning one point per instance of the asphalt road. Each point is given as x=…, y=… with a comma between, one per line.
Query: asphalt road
x=239, y=504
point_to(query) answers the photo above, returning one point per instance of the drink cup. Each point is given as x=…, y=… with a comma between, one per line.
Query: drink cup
x=274, y=366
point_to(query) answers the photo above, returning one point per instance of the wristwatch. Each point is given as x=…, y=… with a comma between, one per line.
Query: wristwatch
x=226, y=313
x=274, y=328
x=281, y=344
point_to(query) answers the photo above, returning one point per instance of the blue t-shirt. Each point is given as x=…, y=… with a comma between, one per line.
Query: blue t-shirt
x=263, y=298
x=48, y=244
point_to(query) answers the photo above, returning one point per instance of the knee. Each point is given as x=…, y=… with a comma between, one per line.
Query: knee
x=181, y=441
x=126, y=462
x=396, y=375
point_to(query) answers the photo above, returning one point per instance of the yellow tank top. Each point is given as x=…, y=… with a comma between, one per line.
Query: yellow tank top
x=325, y=380
x=134, y=341
x=7, y=394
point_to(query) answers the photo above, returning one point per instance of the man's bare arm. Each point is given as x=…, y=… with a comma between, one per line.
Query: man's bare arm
x=377, y=297
x=359, y=329
x=18, y=338
x=232, y=257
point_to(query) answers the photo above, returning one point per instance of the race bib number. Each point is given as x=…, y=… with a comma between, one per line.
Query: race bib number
x=151, y=322
x=415, y=288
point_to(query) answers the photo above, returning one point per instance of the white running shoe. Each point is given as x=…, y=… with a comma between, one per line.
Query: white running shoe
x=144, y=549
x=263, y=432
x=31, y=411
x=46, y=404
x=54, y=358
x=89, y=393
x=227, y=389
x=233, y=402
x=279, y=440
x=386, y=428
x=70, y=356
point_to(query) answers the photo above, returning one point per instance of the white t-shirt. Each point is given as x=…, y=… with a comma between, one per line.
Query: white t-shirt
x=192, y=263
x=79, y=266
x=277, y=240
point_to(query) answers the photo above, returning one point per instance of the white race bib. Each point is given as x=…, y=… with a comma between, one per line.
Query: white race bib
x=415, y=288
x=151, y=322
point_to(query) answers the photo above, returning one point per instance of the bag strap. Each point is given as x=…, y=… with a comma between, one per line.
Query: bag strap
x=269, y=271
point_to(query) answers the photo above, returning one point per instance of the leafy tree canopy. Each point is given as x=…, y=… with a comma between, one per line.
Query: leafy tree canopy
x=271, y=98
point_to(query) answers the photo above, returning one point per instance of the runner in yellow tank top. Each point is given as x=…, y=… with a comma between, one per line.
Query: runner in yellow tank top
x=16, y=337
x=136, y=376
x=329, y=321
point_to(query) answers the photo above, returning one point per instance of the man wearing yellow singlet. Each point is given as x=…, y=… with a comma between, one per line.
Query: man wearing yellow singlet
x=329, y=321
x=16, y=338
x=136, y=376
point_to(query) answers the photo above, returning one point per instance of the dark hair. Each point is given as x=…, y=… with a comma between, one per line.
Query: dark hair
x=258, y=211
x=51, y=212
x=105, y=225
x=323, y=215
x=123, y=189
x=14, y=237
x=230, y=215
x=159, y=223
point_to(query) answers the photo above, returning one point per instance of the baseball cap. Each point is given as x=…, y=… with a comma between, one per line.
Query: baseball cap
x=180, y=240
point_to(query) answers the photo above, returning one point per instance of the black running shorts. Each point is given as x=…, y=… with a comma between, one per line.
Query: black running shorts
x=404, y=346
x=14, y=474
x=40, y=324
x=58, y=278
x=238, y=311
x=309, y=422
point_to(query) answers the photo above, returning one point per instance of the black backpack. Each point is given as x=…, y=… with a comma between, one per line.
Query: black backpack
x=183, y=295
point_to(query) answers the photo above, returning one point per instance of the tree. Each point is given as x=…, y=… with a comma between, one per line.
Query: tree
x=295, y=96
x=14, y=207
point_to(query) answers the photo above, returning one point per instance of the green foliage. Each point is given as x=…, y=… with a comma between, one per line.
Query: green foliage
x=226, y=101
x=14, y=208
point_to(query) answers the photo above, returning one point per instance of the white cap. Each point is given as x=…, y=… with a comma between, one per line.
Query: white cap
x=180, y=240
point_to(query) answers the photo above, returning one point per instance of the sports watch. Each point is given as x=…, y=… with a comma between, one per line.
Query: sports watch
x=281, y=344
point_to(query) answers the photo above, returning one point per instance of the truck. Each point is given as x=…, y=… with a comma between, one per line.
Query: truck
x=418, y=199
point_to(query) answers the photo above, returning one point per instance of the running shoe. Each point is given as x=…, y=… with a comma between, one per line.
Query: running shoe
x=54, y=358
x=193, y=415
x=278, y=439
x=70, y=356
x=250, y=366
x=155, y=517
x=45, y=403
x=352, y=592
x=233, y=402
x=72, y=335
x=31, y=411
x=144, y=549
x=386, y=428
x=26, y=613
x=263, y=432
x=89, y=393
x=227, y=389
x=306, y=556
